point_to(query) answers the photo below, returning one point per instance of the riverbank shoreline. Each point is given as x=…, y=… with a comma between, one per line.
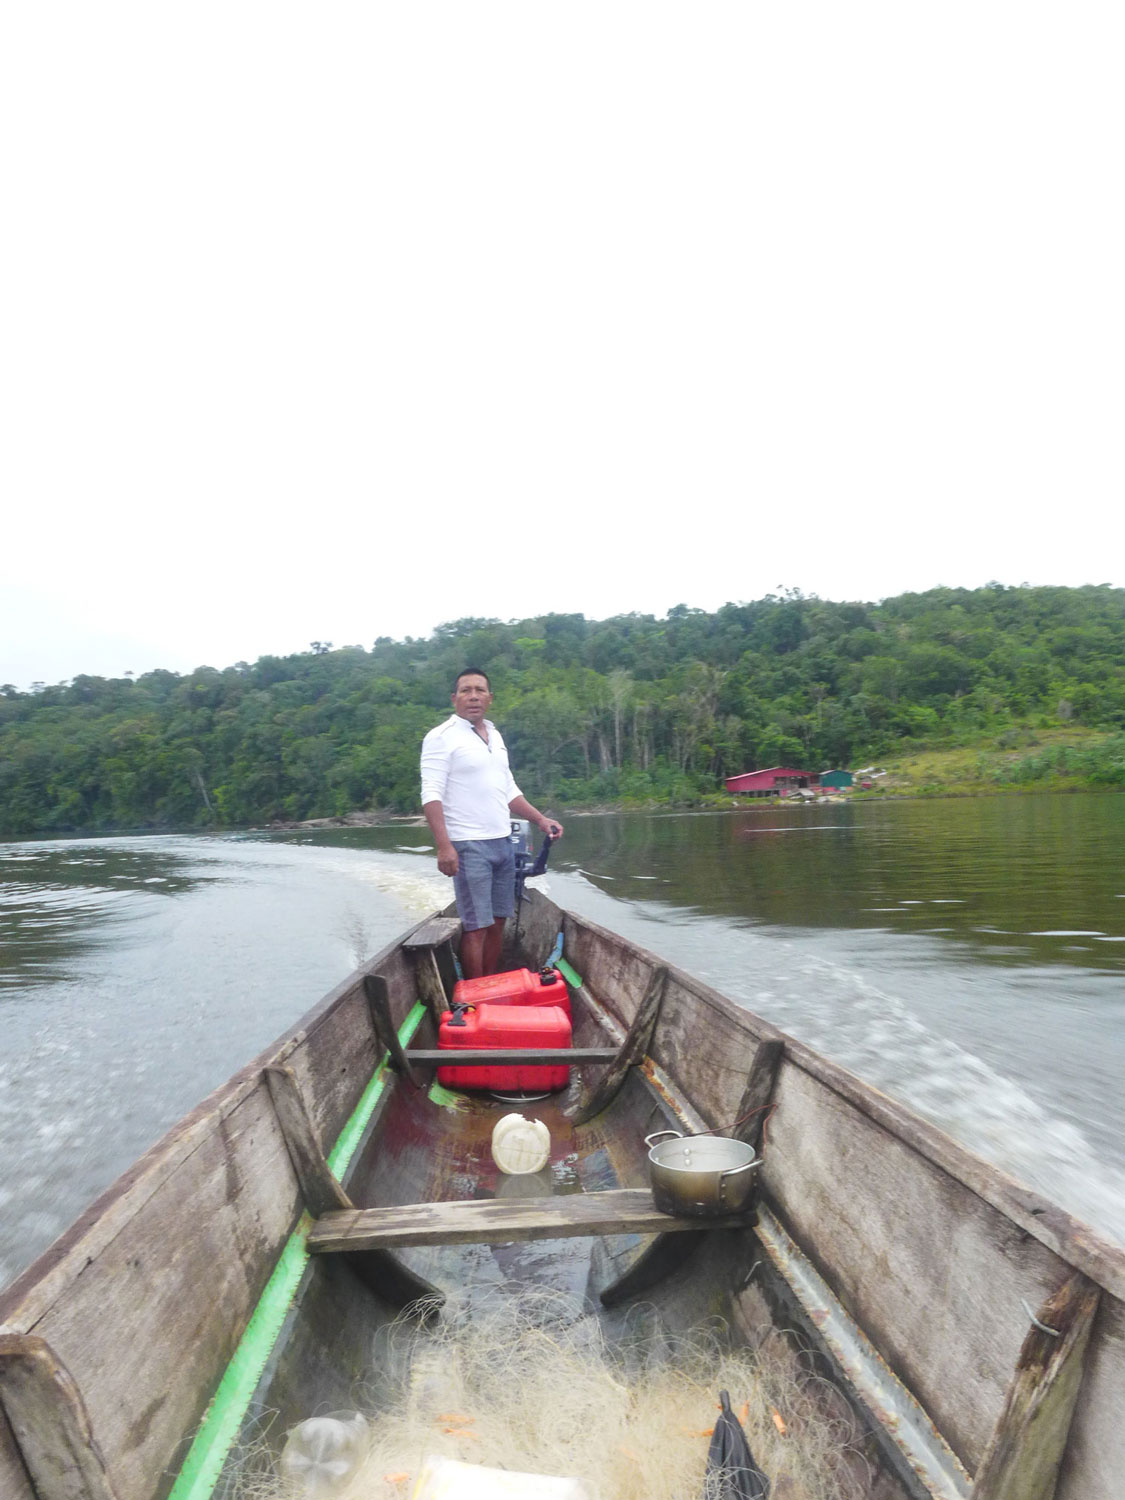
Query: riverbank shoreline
x=705, y=803
x=711, y=803
x=1042, y=763
x=986, y=769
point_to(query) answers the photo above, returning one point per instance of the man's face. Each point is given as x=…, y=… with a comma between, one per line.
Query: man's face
x=471, y=698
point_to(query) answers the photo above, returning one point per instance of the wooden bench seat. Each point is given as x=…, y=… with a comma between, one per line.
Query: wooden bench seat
x=497, y=1220
x=432, y=934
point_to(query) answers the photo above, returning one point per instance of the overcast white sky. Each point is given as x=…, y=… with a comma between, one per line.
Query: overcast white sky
x=329, y=322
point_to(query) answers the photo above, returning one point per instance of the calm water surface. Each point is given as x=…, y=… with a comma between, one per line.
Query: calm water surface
x=967, y=957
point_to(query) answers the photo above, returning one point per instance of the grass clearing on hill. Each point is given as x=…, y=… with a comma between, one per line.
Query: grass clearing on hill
x=1020, y=759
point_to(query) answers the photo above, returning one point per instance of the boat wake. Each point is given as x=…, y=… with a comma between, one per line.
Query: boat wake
x=871, y=1031
x=1015, y=1111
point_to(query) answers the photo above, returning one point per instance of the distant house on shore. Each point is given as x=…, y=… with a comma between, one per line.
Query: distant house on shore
x=778, y=781
x=836, y=779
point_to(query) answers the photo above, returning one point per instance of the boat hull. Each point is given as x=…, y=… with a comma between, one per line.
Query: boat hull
x=870, y=1220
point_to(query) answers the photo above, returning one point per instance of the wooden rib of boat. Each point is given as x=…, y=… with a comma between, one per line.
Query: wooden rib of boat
x=976, y=1329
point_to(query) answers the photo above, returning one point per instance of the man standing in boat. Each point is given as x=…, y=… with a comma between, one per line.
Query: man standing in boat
x=469, y=799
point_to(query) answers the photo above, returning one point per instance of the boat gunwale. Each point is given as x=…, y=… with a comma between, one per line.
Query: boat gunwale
x=116, y=1205
x=1053, y=1227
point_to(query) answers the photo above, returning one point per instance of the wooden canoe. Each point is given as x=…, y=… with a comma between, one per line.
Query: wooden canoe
x=245, y=1263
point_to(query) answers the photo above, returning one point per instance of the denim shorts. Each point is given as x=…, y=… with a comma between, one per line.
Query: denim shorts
x=485, y=884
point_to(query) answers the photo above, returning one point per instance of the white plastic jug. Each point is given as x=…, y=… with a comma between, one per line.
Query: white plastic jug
x=322, y=1453
x=520, y=1146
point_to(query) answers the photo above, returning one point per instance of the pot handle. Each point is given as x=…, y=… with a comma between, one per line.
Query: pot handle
x=745, y=1167
x=658, y=1133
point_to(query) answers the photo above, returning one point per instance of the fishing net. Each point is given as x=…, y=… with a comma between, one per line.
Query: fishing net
x=529, y=1381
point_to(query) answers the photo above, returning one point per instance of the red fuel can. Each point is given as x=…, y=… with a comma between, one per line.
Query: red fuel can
x=536, y=1026
x=516, y=987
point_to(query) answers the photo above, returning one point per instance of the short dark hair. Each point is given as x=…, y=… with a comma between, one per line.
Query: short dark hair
x=472, y=672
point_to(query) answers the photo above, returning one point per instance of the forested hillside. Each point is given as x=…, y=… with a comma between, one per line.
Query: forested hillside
x=628, y=708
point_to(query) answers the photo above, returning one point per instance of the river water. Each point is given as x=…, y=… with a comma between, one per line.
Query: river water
x=967, y=957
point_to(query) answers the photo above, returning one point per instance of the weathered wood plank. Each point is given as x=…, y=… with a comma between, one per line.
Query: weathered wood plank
x=431, y=990
x=420, y=947
x=635, y=1047
x=322, y=1193
x=702, y=1041
x=319, y=1186
x=15, y=1481
x=32, y=1295
x=49, y=1422
x=379, y=1003
x=758, y=1093
x=455, y=1057
x=1096, y=1257
x=881, y=1223
x=494, y=1221
x=1095, y=1450
x=1022, y=1461
x=432, y=933
x=146, y=1333
x=429, y=984
x=335, y=1055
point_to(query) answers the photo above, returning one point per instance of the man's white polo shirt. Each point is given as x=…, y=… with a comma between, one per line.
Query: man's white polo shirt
x=470, y=779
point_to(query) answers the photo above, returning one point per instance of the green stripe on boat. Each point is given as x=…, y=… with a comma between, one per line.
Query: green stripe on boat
x=569, y=974
x=446, y=1098
x=223, y=1418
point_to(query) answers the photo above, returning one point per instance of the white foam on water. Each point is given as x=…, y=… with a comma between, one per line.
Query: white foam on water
x=416, y=891
x=1065, y=932
x=870, y=1031
x=860, y=1017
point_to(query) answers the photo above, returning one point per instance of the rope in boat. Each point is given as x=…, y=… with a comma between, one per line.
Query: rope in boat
x=722, y=1129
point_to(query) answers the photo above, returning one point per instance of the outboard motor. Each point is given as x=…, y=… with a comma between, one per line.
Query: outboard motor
x=527, y=863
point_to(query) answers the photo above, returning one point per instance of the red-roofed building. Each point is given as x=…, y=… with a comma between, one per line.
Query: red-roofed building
x=778, y=781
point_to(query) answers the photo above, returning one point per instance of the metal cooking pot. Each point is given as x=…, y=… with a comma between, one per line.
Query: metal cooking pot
x=704, y=1176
